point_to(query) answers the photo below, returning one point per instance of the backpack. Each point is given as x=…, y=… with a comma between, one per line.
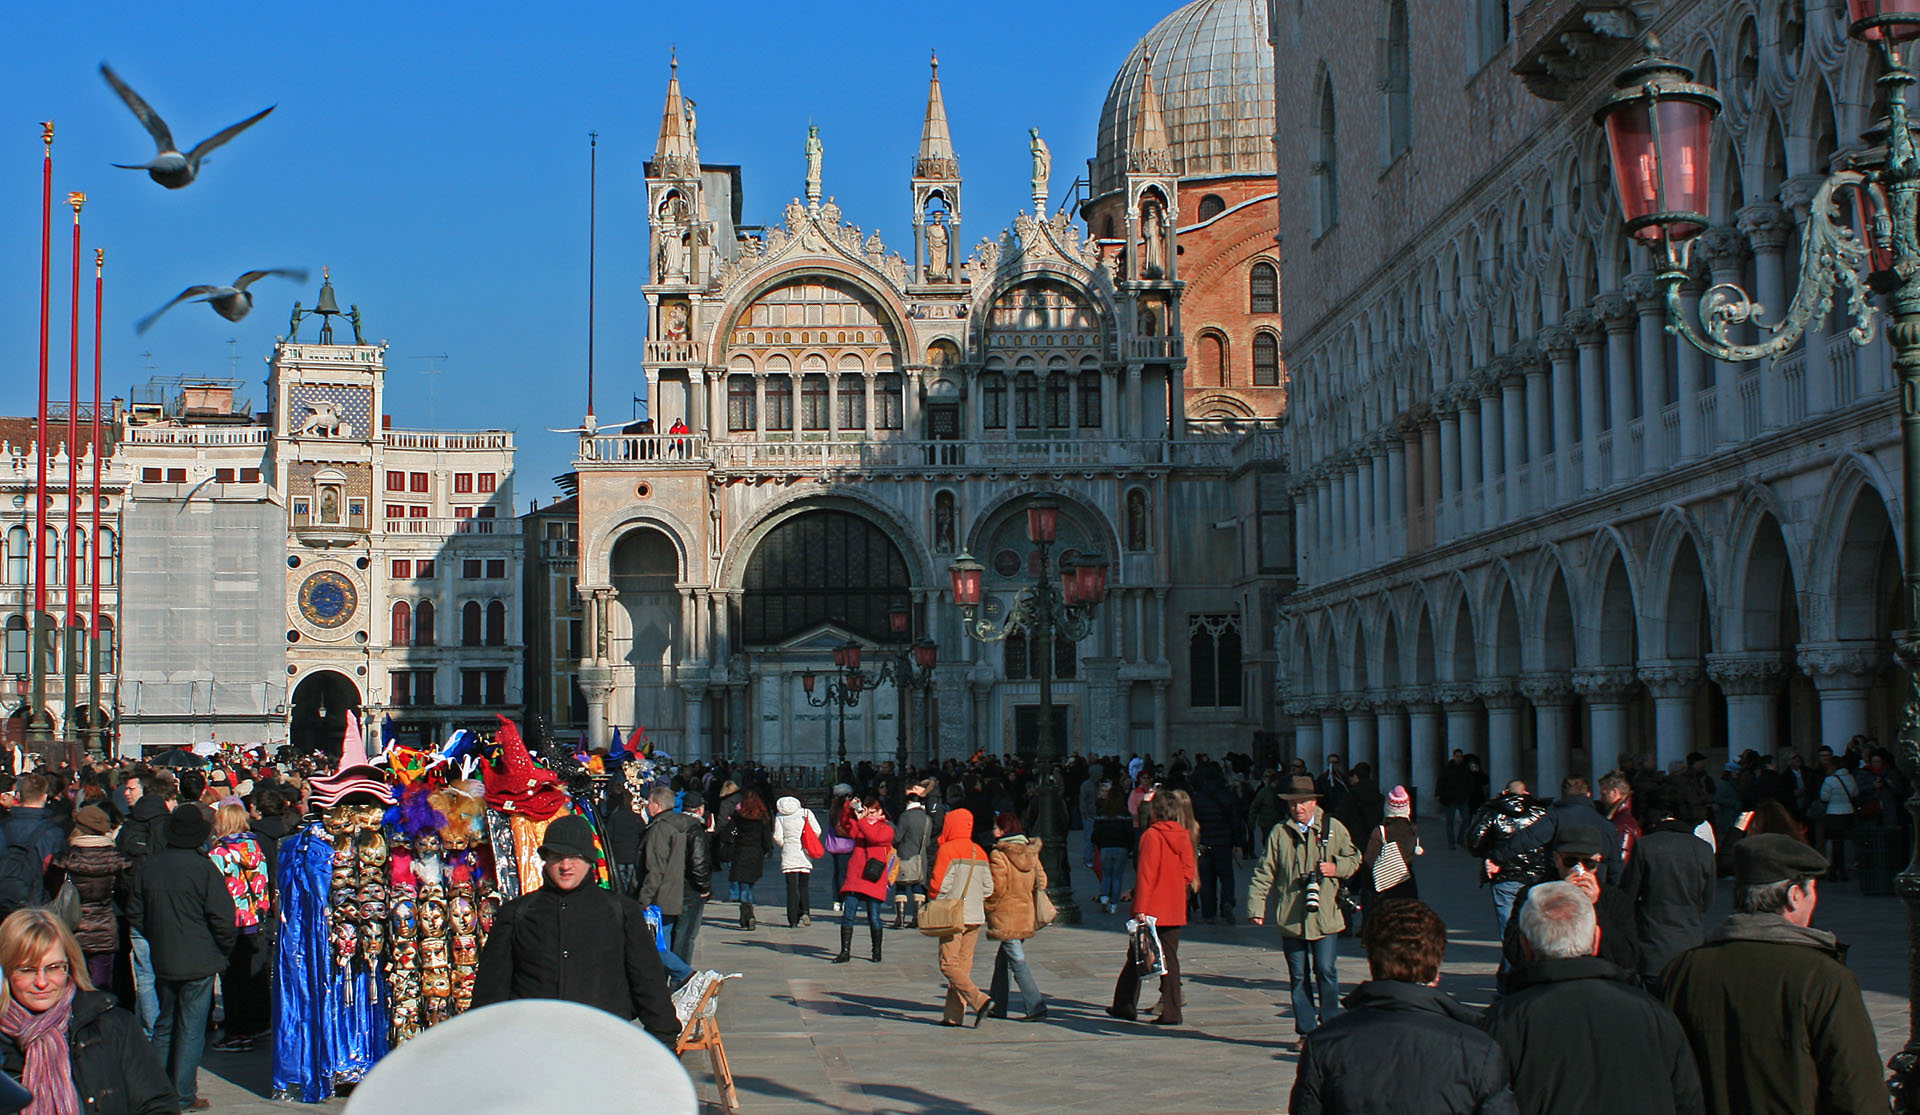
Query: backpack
x=23, y=876
x=135, y=840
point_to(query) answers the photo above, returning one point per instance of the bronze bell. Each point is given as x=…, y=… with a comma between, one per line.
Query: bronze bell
x=326, y=305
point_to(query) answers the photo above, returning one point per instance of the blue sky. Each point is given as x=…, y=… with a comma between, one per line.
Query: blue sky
x=438, y=163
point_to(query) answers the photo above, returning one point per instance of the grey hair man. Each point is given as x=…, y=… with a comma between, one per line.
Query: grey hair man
x=1571, y=1020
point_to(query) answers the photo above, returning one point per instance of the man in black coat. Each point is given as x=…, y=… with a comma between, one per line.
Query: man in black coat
x=1402, y=1045
x=142, y=834
x=1582, y=1037
x=1575, y=807
x=179, y=902
x=1219, y=816
x=575, y=940
x=1579, y=858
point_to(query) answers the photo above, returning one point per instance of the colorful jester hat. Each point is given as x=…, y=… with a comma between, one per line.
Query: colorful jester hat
x=515, y=784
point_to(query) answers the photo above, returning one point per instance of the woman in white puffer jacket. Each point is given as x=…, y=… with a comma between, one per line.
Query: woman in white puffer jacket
x=790, y=821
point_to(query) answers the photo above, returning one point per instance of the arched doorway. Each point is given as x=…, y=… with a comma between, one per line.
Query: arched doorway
x=645, y=629
x=320, y=704
x=820, y=567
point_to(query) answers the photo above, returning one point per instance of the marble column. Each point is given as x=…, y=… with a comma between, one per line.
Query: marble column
x=1552, y=699
x=1673, y=685
x=1751, y=681
x=1424, y=749
x=1305, y=713
x=1503, y=729
x=1333, y=730
x=1162, y=739
x=1617, y=313
x=1513, y=439
x=1446, y=525
x=1384, y=500
x=1650, y=304
x=1412, y=484
x=1725, y=251
x=1473, y=493
x=1539, y=430
x=1768, y=229
x=1461, y=700
x=1589, y=331
x=1350, y=519
x=1490, y=438
x=1390, y=731
x=1690, y=380
x=1362, y=742
x=1607, y=690
x=1365, y=535
x=695, y=744
x=1843, y=672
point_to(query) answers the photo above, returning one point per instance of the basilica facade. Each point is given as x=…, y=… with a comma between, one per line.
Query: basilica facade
x=834, y=422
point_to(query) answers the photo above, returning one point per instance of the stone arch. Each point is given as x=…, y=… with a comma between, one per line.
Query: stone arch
x=906, y=537
x=596, y=550
x=321, y=700
x=1863, y=563
x=1679, y=616
x=1501, y=636
x=1610, y=636
x=1424, y=663
x=1083, y=512
x=1391, y=672
x=1763, y=576
x=1355, y=668
x=1459, y=647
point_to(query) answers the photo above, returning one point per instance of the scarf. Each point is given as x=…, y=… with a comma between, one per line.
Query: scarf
x=43, y=1038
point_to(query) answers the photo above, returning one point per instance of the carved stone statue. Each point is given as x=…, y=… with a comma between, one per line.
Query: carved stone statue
x=815, y=152
x=673, y=255
x=937, y=262
x=1042, y=162
x=1155, y=240
x=353, y=315
x=293, y=323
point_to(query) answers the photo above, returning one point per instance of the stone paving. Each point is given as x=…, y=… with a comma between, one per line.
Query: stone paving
x=804, y=1035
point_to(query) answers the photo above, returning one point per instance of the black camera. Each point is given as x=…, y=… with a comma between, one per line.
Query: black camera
x=1311, y=881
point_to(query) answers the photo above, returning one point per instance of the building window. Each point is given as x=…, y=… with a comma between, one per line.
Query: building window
x=1059, y=394
x=470, y=687
x=396, y=481
x=1015, y=657
x=779, y=402
x=1325, y=164
x=17, y=645
x=1089, y=400
x=495, y=683
x=109, y=552
x=470, y=624
x=1021, y=664
x=993, y=401
x=106, y=647
x=417, y=481
x=396, y=510
x=1211, y=369
x=223, y=476
x=852, y=401
x=418, y=510
x=150, y=476
x=463, y=482
x=402, y=625
x=486, y=480
x=423, y=569
x=740, y=400
x=1212, y=206
x=176, y=476
x=1026, y=401
x=470, y=569
x=19, y=555
x=888, y=402
x=330, y=505
x=1263, y=289
x=813, y=402
x=496, y=624
x=1396, y=88
x=1266, y=360
x=249, y=476
x=463, y=513
x=1213, y=662
x=496, y=568
x=423, y=624
x=402, y=570
x=576, y=639
x=1491, y=23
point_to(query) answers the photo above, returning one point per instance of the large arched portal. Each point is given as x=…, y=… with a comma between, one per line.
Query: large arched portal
x=644, y=628
x=320, y=704
x=823, y=567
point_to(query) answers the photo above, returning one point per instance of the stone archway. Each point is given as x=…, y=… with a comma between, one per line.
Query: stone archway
x=645, y=630
x=320, y=703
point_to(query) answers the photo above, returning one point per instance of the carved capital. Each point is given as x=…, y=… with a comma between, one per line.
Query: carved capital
x=1605, y=685
x=1498, y=693
x=1354, y=702
x=1587, y=325
x=1416, y=698
x=1550, y=690
x=1767, y=226
x=1667, y=681
x=1796, y=193
x=1560, y=340
x=1383, y=700
x=1746, y=675
x=1847, y=665
x=1615, y=312
x=1299, y=707
x=1724, y=248
x=1455, y=695
x=1647, y=294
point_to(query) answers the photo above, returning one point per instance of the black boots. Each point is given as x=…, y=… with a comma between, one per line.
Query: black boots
x=899, y=910
x=876, y=934
x=746, y=915
x=846, y=945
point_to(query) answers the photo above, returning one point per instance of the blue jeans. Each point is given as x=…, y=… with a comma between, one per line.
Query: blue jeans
x=678, y=970
x=1012, y=957
x=1317, y=999
x=1113, y=873
x=146, y=999
x=738, y=891
x=686, y=927
x=180, y=1031
x=852, y=902
x=1504, y=895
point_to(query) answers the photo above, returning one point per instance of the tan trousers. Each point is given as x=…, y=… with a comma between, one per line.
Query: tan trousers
x=956, y=964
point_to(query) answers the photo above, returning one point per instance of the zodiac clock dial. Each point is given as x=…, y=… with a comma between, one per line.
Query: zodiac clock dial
x=327, y=599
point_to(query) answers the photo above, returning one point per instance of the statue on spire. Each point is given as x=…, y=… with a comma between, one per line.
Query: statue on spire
x=1042, y=167
x=815, y=152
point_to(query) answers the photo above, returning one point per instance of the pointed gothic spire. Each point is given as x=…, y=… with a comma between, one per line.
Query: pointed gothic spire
x=677, y=153
x=937, y=158
x=1147, y=150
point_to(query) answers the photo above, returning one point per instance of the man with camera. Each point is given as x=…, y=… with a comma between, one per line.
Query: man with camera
x=1306, y=856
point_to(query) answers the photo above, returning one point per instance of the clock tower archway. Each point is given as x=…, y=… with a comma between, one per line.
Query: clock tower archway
x=320, y=704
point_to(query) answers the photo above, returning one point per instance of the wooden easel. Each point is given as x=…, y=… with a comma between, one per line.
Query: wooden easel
x=702, y=1031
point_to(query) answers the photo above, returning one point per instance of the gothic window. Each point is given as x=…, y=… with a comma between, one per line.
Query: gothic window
x=821, y=567
x=1026, y=401
x=56, y=564
x=888, y=402
x=779, y=402
x=1059, y=393
x=1015, y=655
x=470, y=624
x=17, y=645
x=19, y=557
x=402, y=634
x=1396, y=105
x=1089, y=400
x=1266, y=360
x=740, y=403
x=1136, y=519
x=1263, y=289
x=993, y=401
x=813, y=402
x=423, y=624
x=1490, y=28
x=1213, y=662
x=1211, y=206
x=1020, y=663
x=496, y=624
x=852, y=394
x=1326, y=163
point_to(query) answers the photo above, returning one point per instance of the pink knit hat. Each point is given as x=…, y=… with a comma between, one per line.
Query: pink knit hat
x=1399, y=804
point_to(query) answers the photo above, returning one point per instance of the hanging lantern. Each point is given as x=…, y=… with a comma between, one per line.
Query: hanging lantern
x=926, y=654
x=1070, y=581
x=897, y=621
x=856, y=681
x=848, y=655
x=1893, y=21
x=806, y=682
x=1091, y=573
x=966, y=574
x=1043, y=522
x=1658, y=127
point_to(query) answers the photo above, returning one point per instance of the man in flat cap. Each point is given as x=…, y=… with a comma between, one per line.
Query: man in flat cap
x=576, y=940
x=1775, y=1018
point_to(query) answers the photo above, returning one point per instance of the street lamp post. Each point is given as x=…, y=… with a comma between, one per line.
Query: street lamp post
x=912, y=668
x=1042, y=612
x=1658, y=128
x=844, y=687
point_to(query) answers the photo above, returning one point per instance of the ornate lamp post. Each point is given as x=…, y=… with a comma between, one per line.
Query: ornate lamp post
x=1043, y=612
x=843, y=691
x=1658, y=126
x=911, y=668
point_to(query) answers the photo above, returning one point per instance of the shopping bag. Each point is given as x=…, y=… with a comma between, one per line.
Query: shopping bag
x=1389, y=867
x=662, y=938
x=810, y=838
x=942, y=917
x=1149, y=959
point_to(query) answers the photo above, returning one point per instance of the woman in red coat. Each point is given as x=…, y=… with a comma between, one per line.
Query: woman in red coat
x=866, y=882
x=1164, y=872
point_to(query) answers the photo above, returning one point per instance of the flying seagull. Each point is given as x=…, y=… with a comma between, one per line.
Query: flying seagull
x=169, y=167
x=230, y=302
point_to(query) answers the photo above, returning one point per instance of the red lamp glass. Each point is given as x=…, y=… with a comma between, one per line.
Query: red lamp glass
x=856, y=681
x=840, y=656
x=1658, y=129
x=1043, y=521
x=1069, y=581
x=966, y=574
x=1894, y=21
x=851, y=651
x=926, y=654
x=897, y=620
x=1091, y=572
x=806, y=682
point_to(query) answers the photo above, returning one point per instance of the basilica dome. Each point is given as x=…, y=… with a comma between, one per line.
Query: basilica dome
x=1213, y=71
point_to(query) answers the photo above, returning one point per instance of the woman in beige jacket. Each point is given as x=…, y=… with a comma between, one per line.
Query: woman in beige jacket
x=1013, y=914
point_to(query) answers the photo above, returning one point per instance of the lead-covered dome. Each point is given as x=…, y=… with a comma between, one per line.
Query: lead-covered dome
x=1213, y=71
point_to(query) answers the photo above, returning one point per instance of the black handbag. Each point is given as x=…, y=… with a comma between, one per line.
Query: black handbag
x=873, y=870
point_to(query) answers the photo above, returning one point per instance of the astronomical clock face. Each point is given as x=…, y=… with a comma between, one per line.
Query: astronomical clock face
x=325, y=602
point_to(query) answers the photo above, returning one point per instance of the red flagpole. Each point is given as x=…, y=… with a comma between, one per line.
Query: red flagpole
x=75, y=199
x=99, y=287
x=40, y=430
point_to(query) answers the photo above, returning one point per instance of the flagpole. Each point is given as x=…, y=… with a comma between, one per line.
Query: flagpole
x=95, y=745
x=36, y=719
x=72, y=533
x=593, y=216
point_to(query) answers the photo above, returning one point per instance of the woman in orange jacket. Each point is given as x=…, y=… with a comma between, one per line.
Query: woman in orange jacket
x=961, y=871
x=1165, y=871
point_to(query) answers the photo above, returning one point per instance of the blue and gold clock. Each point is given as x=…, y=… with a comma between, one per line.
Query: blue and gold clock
x=327, y=599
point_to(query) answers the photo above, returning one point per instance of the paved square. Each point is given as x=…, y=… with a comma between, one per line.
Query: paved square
x=805, y=1035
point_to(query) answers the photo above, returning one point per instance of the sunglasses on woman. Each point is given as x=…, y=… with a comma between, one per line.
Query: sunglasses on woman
x=1589, y=864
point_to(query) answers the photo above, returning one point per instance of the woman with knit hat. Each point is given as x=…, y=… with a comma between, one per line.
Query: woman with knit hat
x=1389, y=875
x=97, y=869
